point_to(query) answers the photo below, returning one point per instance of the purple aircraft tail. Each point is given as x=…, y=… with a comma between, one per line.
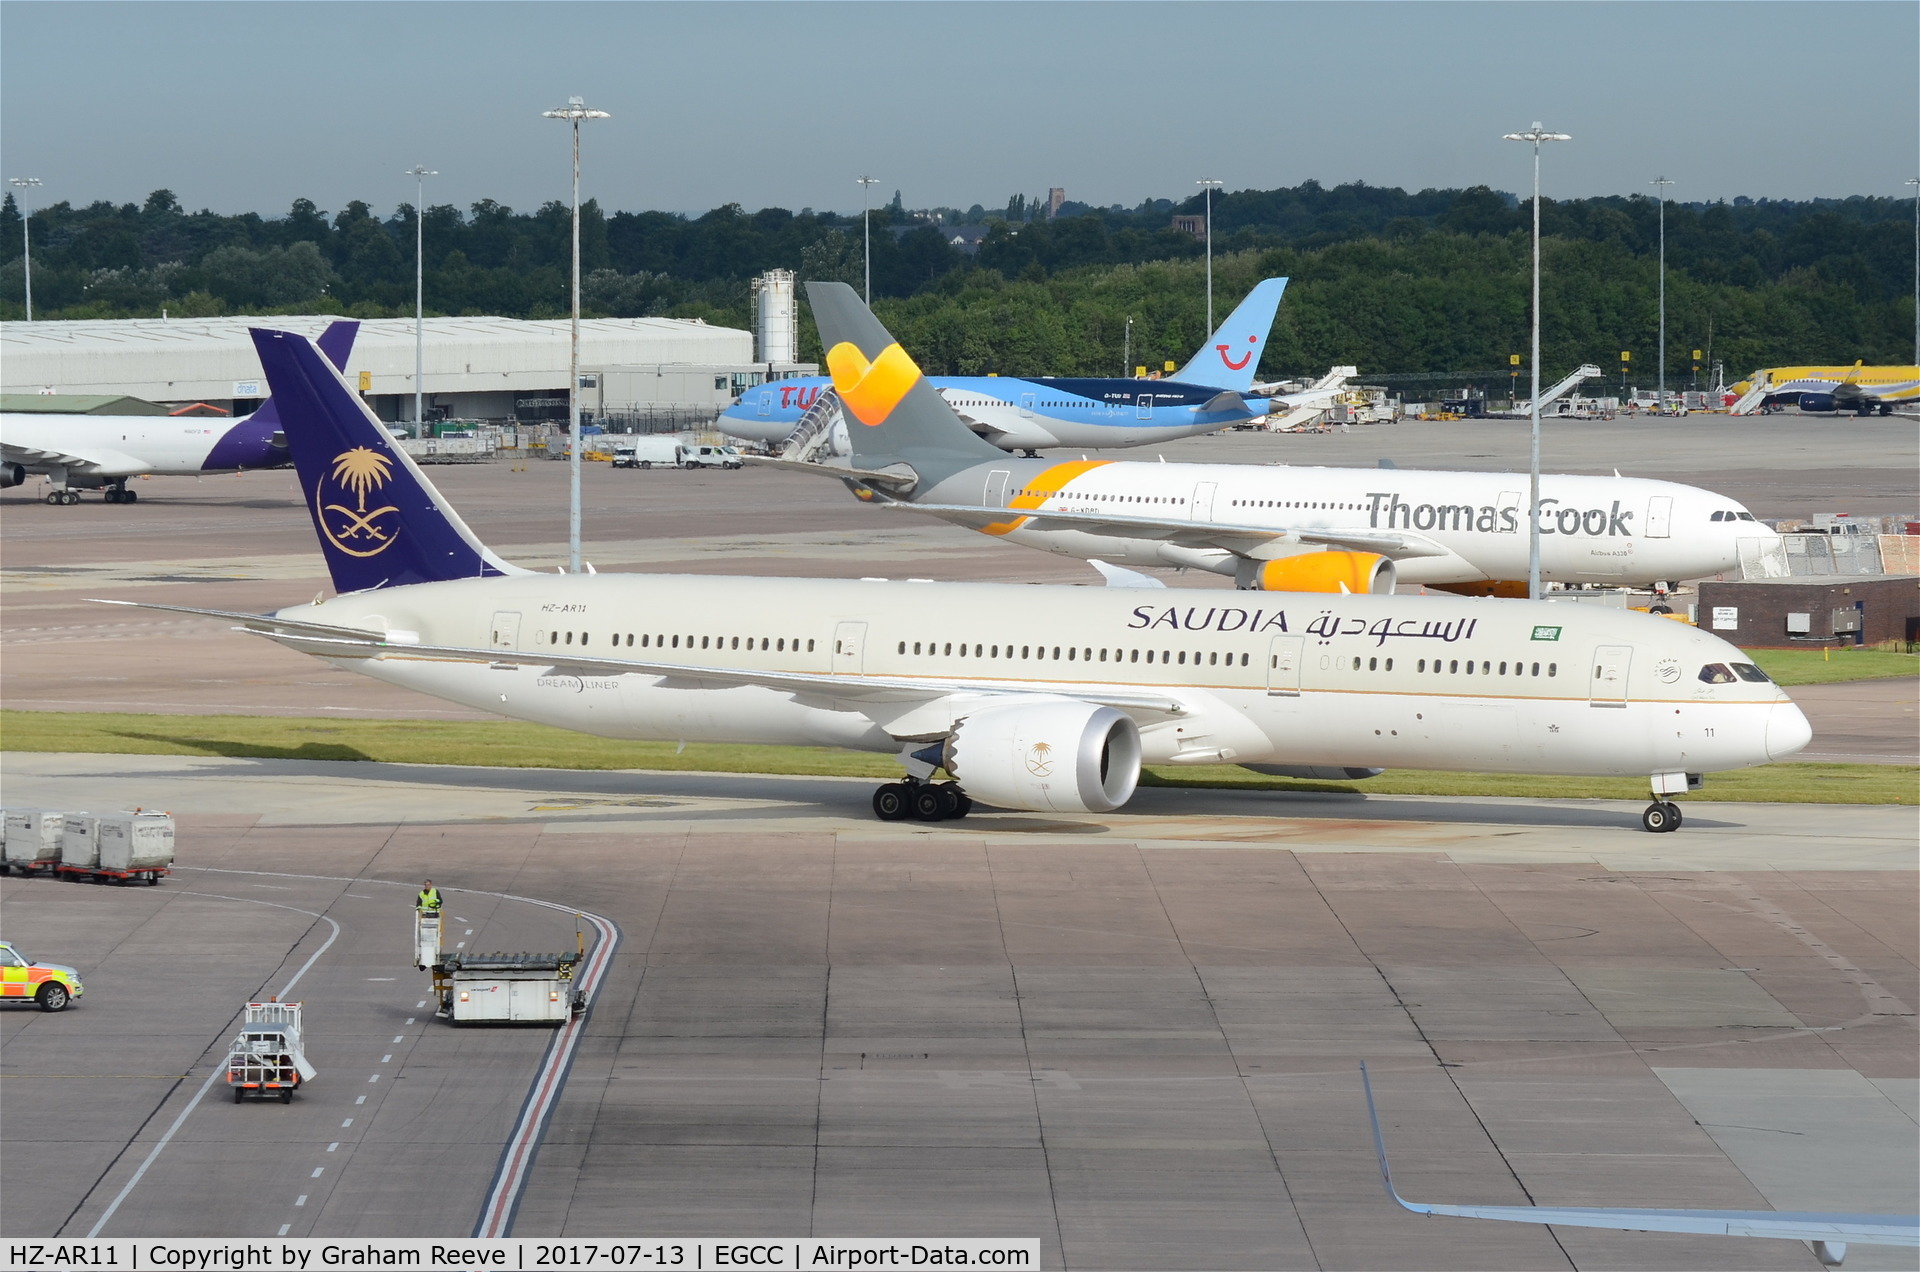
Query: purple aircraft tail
x=255, y=441
x=381, y=522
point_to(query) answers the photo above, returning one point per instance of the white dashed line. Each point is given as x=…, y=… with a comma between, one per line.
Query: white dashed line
x=374, y=1078
x=386, y=1059
x=333, y=1146
x=468, y=932
x=284, y=1227
x=301, y=1200
x=317, y=1170
x=361, y=1100
x=410, y=1020
x=344, y=1125
x=417, y=1006
x=399, y=1037
x=459, y=945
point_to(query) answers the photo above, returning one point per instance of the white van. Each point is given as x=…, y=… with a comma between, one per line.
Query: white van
x=711, y=457
x=645, y=450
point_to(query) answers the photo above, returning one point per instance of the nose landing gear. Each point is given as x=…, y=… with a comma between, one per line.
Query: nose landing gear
x=1661, y=816
x=921, y=801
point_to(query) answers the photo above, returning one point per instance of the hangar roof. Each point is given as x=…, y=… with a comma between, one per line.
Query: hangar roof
x=172, y=360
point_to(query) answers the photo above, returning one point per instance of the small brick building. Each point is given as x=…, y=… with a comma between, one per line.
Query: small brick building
x=1836, y=609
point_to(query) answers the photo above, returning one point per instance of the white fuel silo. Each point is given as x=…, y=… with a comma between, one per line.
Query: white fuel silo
x=776, y=333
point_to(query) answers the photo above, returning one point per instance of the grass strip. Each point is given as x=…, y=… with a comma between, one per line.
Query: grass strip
x=1830, y=666
x=511, y=744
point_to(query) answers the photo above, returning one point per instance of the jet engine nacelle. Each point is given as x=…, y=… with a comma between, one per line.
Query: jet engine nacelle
x=1319, y=572
x=1817, y=403
x=1052, y=755
x=12, y=475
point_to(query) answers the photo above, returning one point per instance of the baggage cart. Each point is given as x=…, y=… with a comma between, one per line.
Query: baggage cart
x=135, y=847
x=266, y=1058
x=519, y=989
x=33, y=840
x=79, y=843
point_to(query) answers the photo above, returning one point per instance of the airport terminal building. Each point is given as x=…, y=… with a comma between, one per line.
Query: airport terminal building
x=640, y=372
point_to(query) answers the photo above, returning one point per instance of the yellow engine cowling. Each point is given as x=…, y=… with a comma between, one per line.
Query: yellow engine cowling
x=1506, y=589
x=1357, y=572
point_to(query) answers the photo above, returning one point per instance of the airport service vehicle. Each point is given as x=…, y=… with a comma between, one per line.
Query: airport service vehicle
x=266, y=1058
x=101, y=452
x=1862, y=389
x=49, y=986
x=1044, y=698
x=498, y=988
x=647, y=451
x=1278, y=528
x=135, y=847
x=34, y=839
x=1210, y=392
x=711, y=457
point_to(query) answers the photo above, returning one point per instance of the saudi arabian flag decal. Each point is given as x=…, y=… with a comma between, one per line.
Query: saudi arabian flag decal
x=1546, y=633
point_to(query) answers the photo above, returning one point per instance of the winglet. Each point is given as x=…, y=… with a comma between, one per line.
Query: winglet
x=1380, y=1149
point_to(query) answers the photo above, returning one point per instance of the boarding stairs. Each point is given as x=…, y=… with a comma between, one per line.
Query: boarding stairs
x=814, y=433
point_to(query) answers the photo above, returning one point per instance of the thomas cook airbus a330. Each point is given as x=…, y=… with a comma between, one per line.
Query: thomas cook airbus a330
x=1041, y=698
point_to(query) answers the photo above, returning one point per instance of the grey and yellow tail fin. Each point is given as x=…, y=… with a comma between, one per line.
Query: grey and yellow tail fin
x=893, y=415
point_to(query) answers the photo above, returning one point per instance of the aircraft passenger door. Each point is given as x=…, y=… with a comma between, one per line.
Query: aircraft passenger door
x=1202, y=507
x=1283, y=666
x=506, y=631
x=1509, y=503
x=848, y=640
x=1609, y=687
x=1660, y=517
x=996, y=493
x=1143, y=407
x=766, y=402
x=1026, y=406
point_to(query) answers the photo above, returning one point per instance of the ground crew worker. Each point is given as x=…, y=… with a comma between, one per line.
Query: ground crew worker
x=429, y=898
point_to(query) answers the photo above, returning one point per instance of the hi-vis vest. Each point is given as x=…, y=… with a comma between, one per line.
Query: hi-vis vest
x=429, y=899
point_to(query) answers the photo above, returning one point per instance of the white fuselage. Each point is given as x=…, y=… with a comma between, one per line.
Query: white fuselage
x=1376, y=681
x=119, y=445
x=1620, y=530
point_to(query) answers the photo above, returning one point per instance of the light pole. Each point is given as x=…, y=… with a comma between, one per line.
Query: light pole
x=574, y=111
x=1209, y=183
x=866, y=233
x=1536, y=135
x=1915, y=183
x=1126, y=350
x=23, y=184
x=1661, y=184
x=419, y=172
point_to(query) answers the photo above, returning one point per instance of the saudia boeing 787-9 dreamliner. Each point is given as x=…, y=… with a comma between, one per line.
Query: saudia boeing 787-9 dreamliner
x=1040, y=698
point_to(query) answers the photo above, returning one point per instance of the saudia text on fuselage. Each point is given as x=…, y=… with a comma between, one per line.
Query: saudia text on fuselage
x=1325, y=625
x=1386, y=510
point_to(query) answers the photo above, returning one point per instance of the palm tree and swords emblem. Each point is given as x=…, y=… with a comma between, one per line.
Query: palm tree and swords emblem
x=360, y=472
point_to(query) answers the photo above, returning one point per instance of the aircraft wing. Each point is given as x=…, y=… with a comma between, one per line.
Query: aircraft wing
x=104, y=463
x=1831, y=1231
x=1254, y=542
x=895, y=477
x=885, y=698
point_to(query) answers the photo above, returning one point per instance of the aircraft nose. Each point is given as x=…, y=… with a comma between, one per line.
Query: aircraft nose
x=1787, y=731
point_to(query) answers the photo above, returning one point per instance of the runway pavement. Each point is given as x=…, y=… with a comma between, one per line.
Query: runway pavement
x=1133, y=1037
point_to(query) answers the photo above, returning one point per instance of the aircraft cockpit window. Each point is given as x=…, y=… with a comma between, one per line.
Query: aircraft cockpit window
x=1716, y=674
x=1744, y=516
x=1717, y=516
x=1747, y=671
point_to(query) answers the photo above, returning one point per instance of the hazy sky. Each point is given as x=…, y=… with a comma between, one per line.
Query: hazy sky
x=246, y=106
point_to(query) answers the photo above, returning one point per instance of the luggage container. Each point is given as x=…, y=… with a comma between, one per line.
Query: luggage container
x=134, y=847
x=508, y=988
x=33, y=840
x=79, y=843
x=267, y=1058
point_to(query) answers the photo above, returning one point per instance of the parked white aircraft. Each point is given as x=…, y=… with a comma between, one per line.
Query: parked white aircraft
x=1034, y=698
x=100, y=452
x=1828, y=1233
x=1280, y=528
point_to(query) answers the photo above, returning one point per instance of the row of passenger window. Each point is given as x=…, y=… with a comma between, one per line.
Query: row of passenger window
x=1463, y=667
x=777, y=644
x=1072, y=653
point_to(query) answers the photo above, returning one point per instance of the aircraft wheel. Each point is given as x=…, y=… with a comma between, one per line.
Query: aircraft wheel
x=56, y=497
x=112, y=495
x=129, y=496
x=928, y=803
x=73, y=497
x=890, y=802
x=1673, y=815
x=1658, y=818
x=954, y=801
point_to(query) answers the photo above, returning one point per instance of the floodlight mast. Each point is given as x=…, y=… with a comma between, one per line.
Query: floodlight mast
x=866, y=235
x=574, y=111
x=1661, y=184
x=23, y=184
x=1915, y=183
x=1209, y=183
x=1536, y=135
x=419, y=172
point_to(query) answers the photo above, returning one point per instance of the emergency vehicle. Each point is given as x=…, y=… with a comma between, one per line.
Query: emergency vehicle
x=50, y=985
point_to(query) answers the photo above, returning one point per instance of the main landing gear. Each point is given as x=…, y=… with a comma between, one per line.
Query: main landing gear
x=63, y=496
x=120, y=494
x=1661, y=816
x=921, y=801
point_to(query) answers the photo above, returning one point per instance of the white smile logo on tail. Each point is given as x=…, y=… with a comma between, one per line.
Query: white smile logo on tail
x=357, y=530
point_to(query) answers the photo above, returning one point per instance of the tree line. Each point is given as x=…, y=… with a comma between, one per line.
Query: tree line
x=1394, y=282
